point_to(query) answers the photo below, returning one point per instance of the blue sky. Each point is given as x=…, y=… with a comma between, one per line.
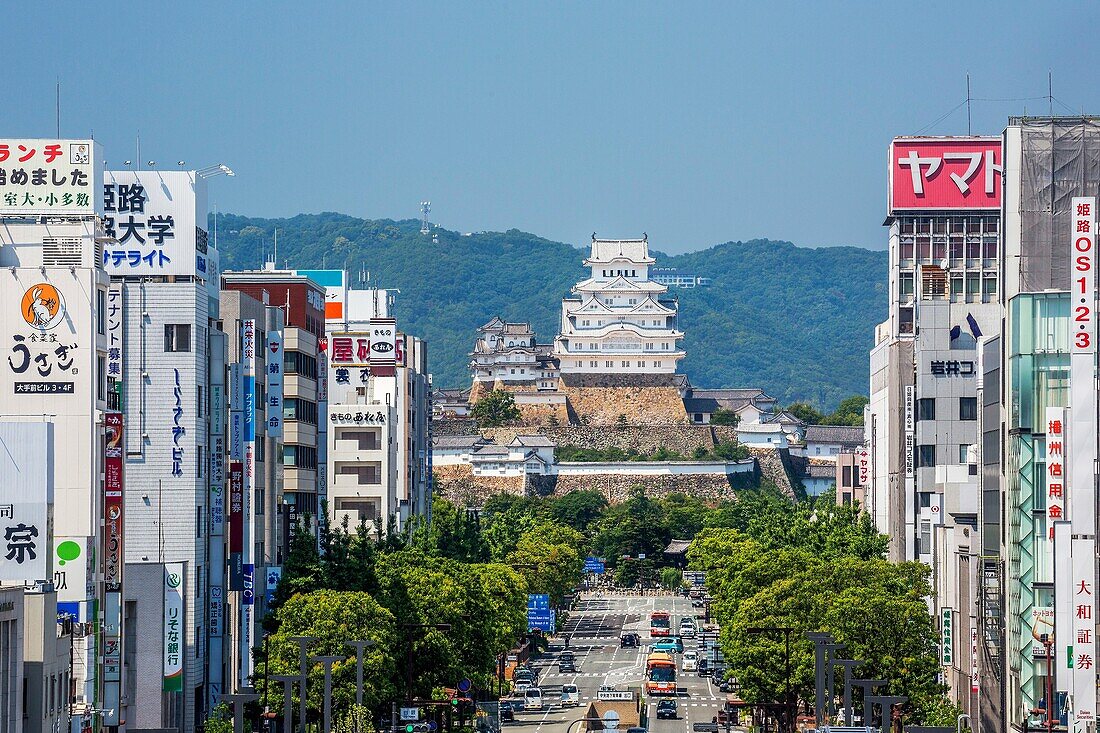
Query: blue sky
x=697, y=123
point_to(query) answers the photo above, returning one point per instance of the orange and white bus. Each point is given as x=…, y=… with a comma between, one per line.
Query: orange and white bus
x=660, y=674
x=660, y=623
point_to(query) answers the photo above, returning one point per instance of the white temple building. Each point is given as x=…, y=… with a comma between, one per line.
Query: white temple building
x=507, y=353
x=616, y=321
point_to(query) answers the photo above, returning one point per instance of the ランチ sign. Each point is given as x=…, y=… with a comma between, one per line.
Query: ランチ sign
x=49, y=177
x=945, y=173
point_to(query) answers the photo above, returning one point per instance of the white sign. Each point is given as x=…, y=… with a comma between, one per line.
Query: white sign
x=274, y=370
x=383, y=341
x=610, y=695
x=73, y=575
x=175, y=625
x=43, y=325
x=910, y=434
x=49, y=177
x=1083, y=275
x=1057, y=467
x=114, y=332
x=1083, y=601
x=410, y=714
x=1063, y=605
x=973, y=655
x=158, y=222
x=26, y=462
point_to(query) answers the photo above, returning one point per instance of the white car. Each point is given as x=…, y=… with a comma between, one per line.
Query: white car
x=532, y=699
x=570, y=696
x=691, y=661
x=687, y=629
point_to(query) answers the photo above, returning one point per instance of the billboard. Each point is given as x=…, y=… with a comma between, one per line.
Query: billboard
x=274, y=371
x=26, y=460
x=952, y=173
x=158, y=222
x=49, y=177
x=173, y=627
x=335, y=283
x=113, y=501
x=44, y=322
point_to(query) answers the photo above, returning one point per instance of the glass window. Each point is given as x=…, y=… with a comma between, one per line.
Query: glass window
x=968, y=408
x=905, y=284
x=957, y=248
x=926, y=456
x=939, y=248
x=989, y=286
x=926, y=408
x=906, y=248
x=177, y=337
x=972, y=284
x=101, y=312
x=924, y=248
x=963, y=450
x=956, y=286
x=989, y=248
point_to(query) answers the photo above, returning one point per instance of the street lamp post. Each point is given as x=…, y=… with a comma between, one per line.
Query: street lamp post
x=327, y=661
x=788, y=701
x=238, y=700
x=867, y=686
x=830, y=676
x=848, y=665
x=360, y=646
x=303, y=643
x=820, y=639
x=886, y=704
x=288, y=705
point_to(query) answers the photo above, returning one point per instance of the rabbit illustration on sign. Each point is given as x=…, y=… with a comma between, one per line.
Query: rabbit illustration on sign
x=41, y=310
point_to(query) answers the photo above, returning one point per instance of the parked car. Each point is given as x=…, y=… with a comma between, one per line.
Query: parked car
x=691, y=661
x=666, y=709
x=704, y=669
x=570, y=696
x=507, y=712
x=532, y=699
x=629, y=639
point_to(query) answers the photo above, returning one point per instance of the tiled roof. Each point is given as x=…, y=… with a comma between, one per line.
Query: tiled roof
x=458, y=441
x=605, y=250
x=816, y=471
x=842, y=434
x=697, y=404
x=534, y=441
x=677, y=547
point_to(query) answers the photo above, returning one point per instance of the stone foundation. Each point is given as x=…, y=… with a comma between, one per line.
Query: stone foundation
x=617, y=488
x=458, y=485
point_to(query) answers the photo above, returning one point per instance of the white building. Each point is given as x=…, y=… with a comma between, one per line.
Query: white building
x=507, y=354
x=379, y=415
x=617, y=321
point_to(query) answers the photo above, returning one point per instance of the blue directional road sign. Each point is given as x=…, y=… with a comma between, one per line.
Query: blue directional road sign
x=541, y=618
x=539, y=601
x=593, y=565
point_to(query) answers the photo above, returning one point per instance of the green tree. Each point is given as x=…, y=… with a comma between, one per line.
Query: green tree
x=579, y=509
x=334, y=617
x=549, y=558
x=671, y=578
x=636, y=526
x=806, y=413
x=302, y=568
x=722, y=416
x=495, y=409
x=848, y=412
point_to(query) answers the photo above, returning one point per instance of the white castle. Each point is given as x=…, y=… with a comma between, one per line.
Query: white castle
x=616, y=321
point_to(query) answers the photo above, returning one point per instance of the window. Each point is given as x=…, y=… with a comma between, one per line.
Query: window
x=101, y=378
x=365, y=439
x=295, y=362
x=968, y=408
x=198, y=521
x=925, y=538
x=926, y=408
x=926, y=456
x=905, y=285
x=593, y=364
x=198, y=401
x=177, y=337
x=199, y=463
x=363, y=474
x=101, y=312
x=367, y=510
x=296, y=408
x=963, y=450
x=846, y=476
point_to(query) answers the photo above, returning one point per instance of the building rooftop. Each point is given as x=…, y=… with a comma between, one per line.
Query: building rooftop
x=533, y=441
x=458, y=441
x=843, y=434
x=606, y=250
x=821, y=471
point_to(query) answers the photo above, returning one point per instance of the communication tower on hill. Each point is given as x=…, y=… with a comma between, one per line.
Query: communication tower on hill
x=425, y=207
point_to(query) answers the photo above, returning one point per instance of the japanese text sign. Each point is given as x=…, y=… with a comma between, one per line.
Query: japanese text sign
x=1083, y=632
x=113, y=500
x=49, y=178
x=114, y=333
x=158, y=222
x=1057, y=508
x=945, y=173
x=274, y=392
x=1083, y=269
x=26, y=460
x=174, y=627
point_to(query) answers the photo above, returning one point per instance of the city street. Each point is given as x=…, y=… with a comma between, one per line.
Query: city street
x=594, y=629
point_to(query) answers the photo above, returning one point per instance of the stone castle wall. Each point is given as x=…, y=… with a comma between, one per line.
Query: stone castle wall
x=617, y=488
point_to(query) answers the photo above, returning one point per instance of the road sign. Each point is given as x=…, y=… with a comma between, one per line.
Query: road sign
x=593, y=565
x=615, y=695
x=610, y=720
x=539, y=601
x=540, y=619
x=465, y=685
x=410, y=714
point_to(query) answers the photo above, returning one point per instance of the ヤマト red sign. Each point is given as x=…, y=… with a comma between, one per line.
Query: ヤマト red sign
x=945, y=173
x=112, y=501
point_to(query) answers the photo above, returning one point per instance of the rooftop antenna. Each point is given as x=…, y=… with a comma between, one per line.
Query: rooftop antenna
x=425, y=207
x=1050, y=93
x=968, y=103
x=275, y=253
x=57, y=107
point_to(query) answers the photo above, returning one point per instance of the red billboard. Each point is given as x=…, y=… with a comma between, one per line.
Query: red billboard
x=954, y=173
x=112, y=501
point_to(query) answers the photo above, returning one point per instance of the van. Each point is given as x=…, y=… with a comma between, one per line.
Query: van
x=521, y=681
x=532, y=699
x=691, y=661
x=570, y=696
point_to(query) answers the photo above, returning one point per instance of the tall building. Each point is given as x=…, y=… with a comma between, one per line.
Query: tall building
x=943, y=216
x=166, y=360
x=54, y=403
x=379, y=415
x=616, y=321
x=1047, y=400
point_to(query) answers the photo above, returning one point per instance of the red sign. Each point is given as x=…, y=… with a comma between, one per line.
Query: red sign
x=112, y=501
x=236, y=506
x=945, y=173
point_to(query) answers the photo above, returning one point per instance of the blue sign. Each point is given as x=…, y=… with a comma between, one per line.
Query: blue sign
x=538, y=600
x=593, y=565
x=540, y=619
x=248, y=595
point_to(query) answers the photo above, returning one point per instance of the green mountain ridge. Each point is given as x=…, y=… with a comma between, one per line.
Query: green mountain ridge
x=794, y=321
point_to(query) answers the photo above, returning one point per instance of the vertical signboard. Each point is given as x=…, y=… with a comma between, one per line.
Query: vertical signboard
x=248, y=408
x=174, y=621
x=114, y=332
x=947, y=638
x=236, y=525
x=274, y=371
x=1057, y=467
x=910, y=434
x=1063, y=606
x=113, y=502
x=1083, y=591
x=973, y=656
x=50, y=177
x=26, y=458
x=383, y=346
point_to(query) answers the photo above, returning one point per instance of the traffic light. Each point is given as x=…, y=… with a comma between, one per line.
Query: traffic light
x=417, y=728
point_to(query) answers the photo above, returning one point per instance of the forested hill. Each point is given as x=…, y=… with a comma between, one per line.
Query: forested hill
x=794, y=321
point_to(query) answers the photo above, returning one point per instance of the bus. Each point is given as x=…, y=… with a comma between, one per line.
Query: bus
x=659, y=623
x=660, y=674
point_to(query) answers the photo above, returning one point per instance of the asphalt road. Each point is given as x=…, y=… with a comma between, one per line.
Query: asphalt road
x=594, y=629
